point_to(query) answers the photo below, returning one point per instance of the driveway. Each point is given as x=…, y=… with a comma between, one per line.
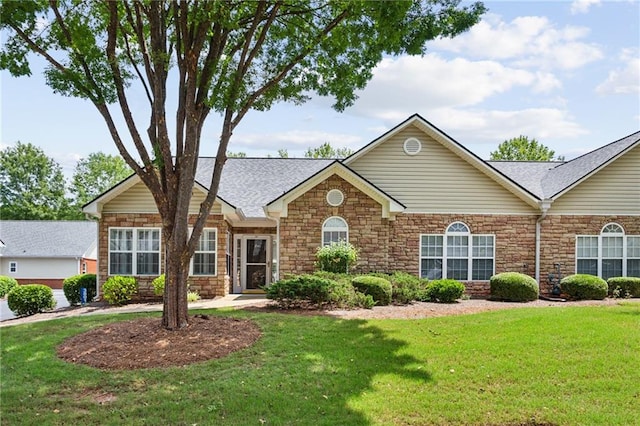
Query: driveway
x=5, y=312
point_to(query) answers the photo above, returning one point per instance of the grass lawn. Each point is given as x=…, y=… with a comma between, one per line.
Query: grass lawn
x=565, y=366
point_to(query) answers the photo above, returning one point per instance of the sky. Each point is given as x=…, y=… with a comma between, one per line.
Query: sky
x=566, y=73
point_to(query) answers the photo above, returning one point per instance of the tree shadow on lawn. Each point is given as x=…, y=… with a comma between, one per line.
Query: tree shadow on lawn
x=304, y=370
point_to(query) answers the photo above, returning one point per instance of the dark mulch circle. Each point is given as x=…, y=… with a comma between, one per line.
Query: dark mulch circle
x=144, y=343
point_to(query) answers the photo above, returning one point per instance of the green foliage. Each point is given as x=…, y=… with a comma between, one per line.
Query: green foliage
x=625, y=286
x=327, y=151
x=336, y=257
x=584, y=287
x=231, y=154
x=6, y=284
x=406, y=288
x=513, y=287
x=377, y=287
x=72, y=285
x=30, y=299
x=158, y=285
x=301, y=288
x=32, y=186
x=96, y=174
x=192, y=296
x=445, y=290
x=522, y=149
x=118, y=290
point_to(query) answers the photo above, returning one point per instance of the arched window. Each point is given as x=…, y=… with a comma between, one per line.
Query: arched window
x=334, y=229
x=458, y=254
x=610, y=254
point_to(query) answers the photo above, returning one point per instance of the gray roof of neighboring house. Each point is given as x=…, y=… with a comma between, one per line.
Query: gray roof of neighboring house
x=251, y=183
x=48, y=238
x=547, y=179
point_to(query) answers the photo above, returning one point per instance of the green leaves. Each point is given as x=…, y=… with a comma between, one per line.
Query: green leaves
x=523, y=149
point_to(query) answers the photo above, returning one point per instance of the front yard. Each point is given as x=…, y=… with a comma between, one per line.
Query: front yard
x=564, y=366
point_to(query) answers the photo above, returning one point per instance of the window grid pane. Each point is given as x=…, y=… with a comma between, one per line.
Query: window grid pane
x=458, y=269
x=587, y=247
x=457, y=246
x=587, y=266
x=204, y=258
x=431, y=269
x=482, y=269
x=611, y=268
x=612, y=247
x=633, y=247
x=633, y=268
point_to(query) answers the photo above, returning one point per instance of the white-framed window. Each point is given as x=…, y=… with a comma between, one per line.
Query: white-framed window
x=134, y=251
x=204, y=257
x=457, y=254
x=610, y=254
x=13, y=267
x=228, y=256
x=334, y=229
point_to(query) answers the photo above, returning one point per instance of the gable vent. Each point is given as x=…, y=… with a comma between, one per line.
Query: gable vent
x=335, y=197
x=412, y=146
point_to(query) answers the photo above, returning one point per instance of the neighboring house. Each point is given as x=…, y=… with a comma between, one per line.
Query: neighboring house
x=47, y=252
x=412, y=200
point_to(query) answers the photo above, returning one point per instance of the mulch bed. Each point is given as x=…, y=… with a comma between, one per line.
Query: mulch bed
x=144, y=343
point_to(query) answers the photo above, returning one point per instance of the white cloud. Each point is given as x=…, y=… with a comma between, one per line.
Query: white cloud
x=495, y=125
x=406, y=85
x=531, y=41
x=582, y=6
x=623, y=80
x=295, y=141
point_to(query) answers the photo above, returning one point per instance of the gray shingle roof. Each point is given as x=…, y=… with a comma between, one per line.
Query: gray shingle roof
x=528, y=174
x=48, y=238
x=251, y=183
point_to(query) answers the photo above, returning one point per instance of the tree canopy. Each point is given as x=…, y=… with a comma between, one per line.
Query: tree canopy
x=522, y=148
x=32, y=186
x=95, y=174
x=223, y=57
x=327, y=151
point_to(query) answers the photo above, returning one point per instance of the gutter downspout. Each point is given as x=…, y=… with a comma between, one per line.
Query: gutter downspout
x=544, y=207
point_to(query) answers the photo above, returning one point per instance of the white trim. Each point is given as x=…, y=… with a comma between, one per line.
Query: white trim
x=334, y=229
x=134, y=250
x=13, y=267
x=332, y=196
x=412, y=150
x=215, y=265
x=599, y=259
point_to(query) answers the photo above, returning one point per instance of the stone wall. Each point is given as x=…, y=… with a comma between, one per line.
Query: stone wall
x=207, y=287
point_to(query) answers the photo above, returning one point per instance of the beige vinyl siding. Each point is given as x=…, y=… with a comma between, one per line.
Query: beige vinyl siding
x=615, y=189
x=435, y=180
x=138, y=199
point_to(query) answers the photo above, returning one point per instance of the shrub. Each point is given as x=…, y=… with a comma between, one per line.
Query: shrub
x=30, y=299
x=513, y=287
x=584, y=287
x=364, y=300
x=624, y=286
x=445, y=290
x=336, y=257
x=6, y=284
x=377, y=287
x=192, y=296
x=300, y=289
x=406, y=288
x=158, y=285
x=118, y=290
x=72, y=285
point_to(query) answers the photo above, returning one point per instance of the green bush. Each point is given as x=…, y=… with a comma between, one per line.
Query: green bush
x=72, y=285
x=584, y=287
x=364, y=300
x=624, y=286
x=192, y=296
x=406, y=288
x=118, y=290
x=299, y=290
x=6, y=284
x=30, y=299
x=445, y=290
x=513, y=287
x=379, y=288
x=158, y=285
x=336, y=257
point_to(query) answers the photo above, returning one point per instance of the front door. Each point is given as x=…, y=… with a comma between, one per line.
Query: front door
x=255, y=262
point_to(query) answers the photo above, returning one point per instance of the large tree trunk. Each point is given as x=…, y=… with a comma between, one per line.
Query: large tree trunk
x=175, y=313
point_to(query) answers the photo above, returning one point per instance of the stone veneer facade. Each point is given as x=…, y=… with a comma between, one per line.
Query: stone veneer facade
x=394, y=245
x=206, y=286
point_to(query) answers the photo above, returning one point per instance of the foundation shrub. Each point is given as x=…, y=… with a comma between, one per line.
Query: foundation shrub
x=405, y=288
x=377, y=287
x=336, y=257
x=158, y=285
x=513, y=287
x=192, y=296
x=584, y=287
x=6, y=284
x=444, y=291
x=118, y=290
x=72, y=287
x=30, y=299
x=624, y=286
x=299, y=290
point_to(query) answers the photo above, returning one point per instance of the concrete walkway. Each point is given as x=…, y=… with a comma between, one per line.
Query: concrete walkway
x=232, y=300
